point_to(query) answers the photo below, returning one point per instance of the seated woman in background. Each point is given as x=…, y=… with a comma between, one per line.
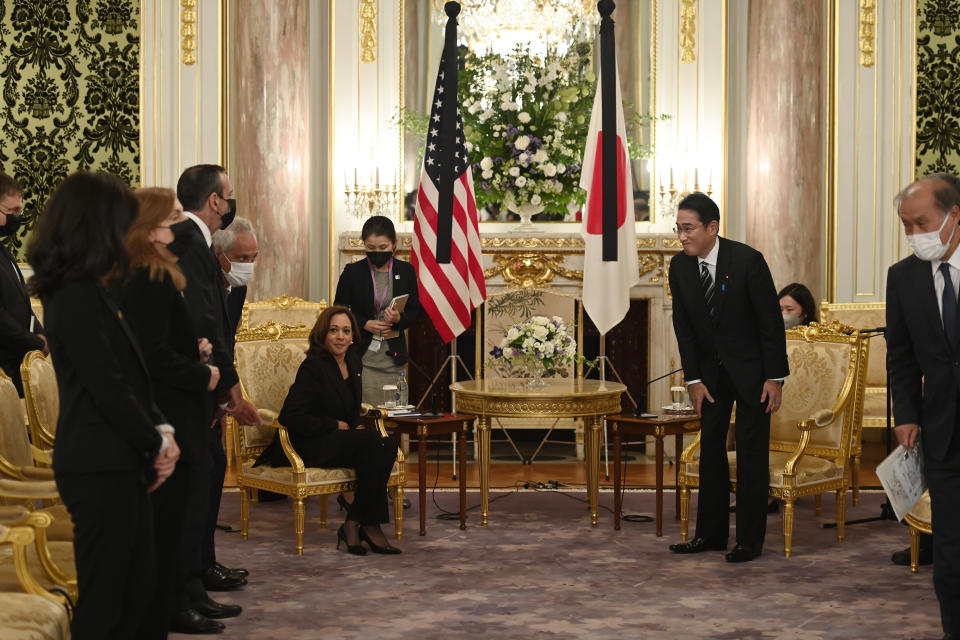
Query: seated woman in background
x=322, y=414
x=797, y=306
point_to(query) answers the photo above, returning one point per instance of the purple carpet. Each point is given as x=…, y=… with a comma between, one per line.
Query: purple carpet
x=540, y=571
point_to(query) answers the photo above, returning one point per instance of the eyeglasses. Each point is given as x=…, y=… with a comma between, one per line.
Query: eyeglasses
x=686, y=229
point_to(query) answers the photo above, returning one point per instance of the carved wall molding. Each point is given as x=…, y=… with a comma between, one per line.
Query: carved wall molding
x=688, y=31
x=524, y=270
x=188, y=32
x=368, y=31
x=868, y=34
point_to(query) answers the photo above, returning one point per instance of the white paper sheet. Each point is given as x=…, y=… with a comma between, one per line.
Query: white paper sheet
x=901, y=474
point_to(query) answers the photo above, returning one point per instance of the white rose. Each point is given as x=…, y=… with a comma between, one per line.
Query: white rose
x=473, y=108
x=523, y=117
x=527, y=343
x=512, y=334
x=540, y=156
x=548, y=349
x=561, y=116
x=561, y=167
x=520, y=181
x=469, y=145
x=486, y=115
x=539, y=332
x=521, y=143
x=505, y=97
x=530, y=88
x=541, y=320
x=549, y=170
x=514, y=171
x=486, y=174
x=486, y=163
x=535, y=199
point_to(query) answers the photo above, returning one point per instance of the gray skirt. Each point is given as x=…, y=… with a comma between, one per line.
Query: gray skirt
x=378, y=369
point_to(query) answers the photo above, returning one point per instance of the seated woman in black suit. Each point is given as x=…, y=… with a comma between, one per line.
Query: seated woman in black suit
x=367, y=287
x=322, y=414
x=113, y=445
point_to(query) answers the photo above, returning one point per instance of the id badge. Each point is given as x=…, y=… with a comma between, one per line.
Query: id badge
x=375, y=343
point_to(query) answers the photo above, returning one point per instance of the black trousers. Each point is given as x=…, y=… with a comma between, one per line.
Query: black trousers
x=218, y=468
x=190, y=590
x=371, y=456
x=943, y=480
x=115, y=552
x=752, y=429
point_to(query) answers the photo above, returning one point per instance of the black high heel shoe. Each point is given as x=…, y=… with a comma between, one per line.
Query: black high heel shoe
x=386, y=549
x=355, y=549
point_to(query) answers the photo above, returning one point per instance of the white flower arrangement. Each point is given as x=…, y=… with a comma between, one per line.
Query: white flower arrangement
x=538, y=342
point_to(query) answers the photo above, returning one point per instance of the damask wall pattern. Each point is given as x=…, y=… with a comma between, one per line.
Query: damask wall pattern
x=938, y=76
x=70, y=98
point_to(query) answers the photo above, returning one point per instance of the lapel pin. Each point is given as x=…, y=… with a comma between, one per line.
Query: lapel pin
x=396, y=276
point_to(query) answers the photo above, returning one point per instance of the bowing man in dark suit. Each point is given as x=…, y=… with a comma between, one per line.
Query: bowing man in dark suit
x=923, y=356
x=730, y=333
x=152, y=299
x=113, y=445
x=20, y=331
x=322, y=414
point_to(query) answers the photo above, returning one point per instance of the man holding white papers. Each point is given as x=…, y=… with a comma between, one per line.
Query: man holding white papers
x=923, y=355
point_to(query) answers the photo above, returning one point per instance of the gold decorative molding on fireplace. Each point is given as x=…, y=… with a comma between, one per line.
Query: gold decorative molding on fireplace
x=368, y=31
x=868, y=34
x=505, y=242
x=188, y=32
x=525, y=270
x=647, y=262
x=688, y=31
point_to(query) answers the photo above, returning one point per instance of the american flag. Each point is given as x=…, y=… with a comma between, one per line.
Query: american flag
x=446, y=238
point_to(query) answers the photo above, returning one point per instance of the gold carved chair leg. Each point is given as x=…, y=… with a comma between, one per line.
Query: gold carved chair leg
x=323, y=511
x=855, y=479
x=788, y=526
x=244, y=512
x=684, y=512
x=841, y=513
x=298, y=518
x=398, y=510
x=914, y=550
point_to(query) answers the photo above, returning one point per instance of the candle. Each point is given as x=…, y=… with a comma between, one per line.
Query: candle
x=378, y=176
x=671, y=176
x=696, y=178
x=355, y=181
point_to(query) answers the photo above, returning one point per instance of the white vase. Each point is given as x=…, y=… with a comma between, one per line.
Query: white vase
x=525, y=210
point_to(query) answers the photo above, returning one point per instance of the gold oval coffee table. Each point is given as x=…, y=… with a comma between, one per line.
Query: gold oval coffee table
x=559, y=398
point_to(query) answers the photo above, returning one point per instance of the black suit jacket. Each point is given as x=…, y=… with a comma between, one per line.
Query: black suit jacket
x=206, y=298
x=355, y=290
x=107, y=411
x=16, y=339
x=158, y=314
x=746, y=336
x=235, y=300
x=314, y=405
x=924, y=371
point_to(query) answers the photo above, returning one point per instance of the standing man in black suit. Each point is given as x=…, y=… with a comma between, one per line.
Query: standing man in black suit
x=237, y=250
x=730, y=332
x=923, y=357
x=20, y=331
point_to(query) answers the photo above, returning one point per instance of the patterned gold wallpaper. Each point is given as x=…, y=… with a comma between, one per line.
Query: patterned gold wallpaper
x=938, y=79
x=70, y=97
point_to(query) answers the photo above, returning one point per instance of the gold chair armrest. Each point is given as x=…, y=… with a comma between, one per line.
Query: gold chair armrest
x=42, y=456
x=29, y=489
x=378, y=416
x=690, y=450
x=819, y=420
x=10, y=470
x=296, y=462
x=20, y=537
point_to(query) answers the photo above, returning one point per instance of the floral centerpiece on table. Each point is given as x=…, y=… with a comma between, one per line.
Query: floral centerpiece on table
x=525, y=120
x=542, y=344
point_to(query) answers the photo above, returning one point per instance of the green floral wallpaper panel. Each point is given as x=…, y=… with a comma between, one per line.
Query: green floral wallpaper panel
x=70, y=99
x=938, y=80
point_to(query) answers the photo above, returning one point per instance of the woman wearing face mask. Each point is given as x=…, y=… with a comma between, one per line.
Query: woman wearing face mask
x=797, y=306
x=367, y=287
x=151, y=298
x=322, y=414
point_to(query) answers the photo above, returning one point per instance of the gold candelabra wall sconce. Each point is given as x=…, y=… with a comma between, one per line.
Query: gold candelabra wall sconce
x=670, y=196
x=367, y=196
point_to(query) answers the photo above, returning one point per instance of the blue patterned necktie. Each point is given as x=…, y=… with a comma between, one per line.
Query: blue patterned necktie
x=949, y=305
x=706, y=283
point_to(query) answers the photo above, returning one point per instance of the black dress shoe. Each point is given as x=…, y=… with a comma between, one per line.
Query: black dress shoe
x=233, y=573
x=698, y=545
x=216, y=610
x=217, y=579
x=742, y=553
x=902, y=558
x=191, y=621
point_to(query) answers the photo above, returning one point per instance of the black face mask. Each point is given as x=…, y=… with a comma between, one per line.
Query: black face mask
x=379, y=258
x=227, y=219
x=11, y=225
x=181, y=237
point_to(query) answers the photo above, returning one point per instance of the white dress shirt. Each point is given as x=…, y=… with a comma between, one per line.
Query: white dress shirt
x=204, y=229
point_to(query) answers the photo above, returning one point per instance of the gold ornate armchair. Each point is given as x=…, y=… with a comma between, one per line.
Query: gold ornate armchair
x=920, y=520
x=810, y=435
x=285, y=309
x=865, y=315
x=267, y=358
x=42, y=397
x=18, y=458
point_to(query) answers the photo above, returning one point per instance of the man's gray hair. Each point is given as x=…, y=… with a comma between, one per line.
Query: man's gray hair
x=224, y=239
x=946, y=193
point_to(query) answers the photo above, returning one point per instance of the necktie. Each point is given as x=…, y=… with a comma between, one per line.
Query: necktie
x=706, y=283
x=949, y=305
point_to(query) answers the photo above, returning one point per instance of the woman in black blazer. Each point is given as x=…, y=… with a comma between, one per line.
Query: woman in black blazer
x=113, y=445
x=152, y=299
x=322, y=414
x=367, y=287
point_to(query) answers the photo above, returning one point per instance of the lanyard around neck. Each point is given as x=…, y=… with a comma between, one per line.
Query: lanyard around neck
x=379, y=303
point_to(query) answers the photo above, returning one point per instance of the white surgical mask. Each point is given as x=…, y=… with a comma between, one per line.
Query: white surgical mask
x=789, y=322
x=927, y=246
x=240, y=274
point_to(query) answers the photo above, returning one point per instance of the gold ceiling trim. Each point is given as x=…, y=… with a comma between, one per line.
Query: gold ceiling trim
x=688, y=31
x=368, y=31
x=868, y=33
x=188, y=32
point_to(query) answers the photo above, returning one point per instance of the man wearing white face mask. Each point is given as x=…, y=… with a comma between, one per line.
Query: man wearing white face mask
x=237, y=251
x=923, y=356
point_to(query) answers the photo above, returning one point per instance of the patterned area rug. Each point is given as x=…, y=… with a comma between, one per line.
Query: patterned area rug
x=540, y=571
